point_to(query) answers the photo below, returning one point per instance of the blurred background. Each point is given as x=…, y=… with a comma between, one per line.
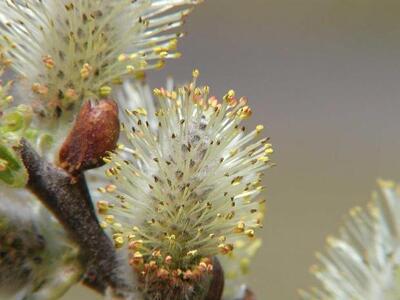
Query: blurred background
x=324, y=77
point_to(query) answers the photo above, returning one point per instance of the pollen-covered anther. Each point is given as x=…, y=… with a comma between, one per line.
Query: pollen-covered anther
x=103, y=206
x=71, y=94
x=136, y=244
x=213, y=102
x=239, y=228
x=250, y=233
x=105, y=91
x=259, y=128
x=237, y=180
x=137, y=259
x=269, y=151
x=168, y=259
x=110, y=219
x=195, y=73
x=245, y=112
x=264, y=159
x=156, y=253
x=225, y=248
x=153, y=265
x=40, y=89
x=86, y=71
x=48, y=62
x=119, y=241
x=157, y=92
x=111, y=188
x=162, y=273
x=203, y=266
x=123, y=57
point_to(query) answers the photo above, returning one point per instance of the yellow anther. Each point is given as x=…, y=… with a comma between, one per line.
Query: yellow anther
x=71, y=94
x=103, y=225
x=168, y=260
x=137, y=258
x=245, y=112
x=196, y=73
x=135, y=244
x=225, y=248
x=239, y=227
x=250, y=233
x=267, y=145
x=133, y=56
x=140, y=111
x=110, y=219
x=122, y=57
x=111, y=188
x=102, y=206
x=130, y=68
x=105, y=91
x=237, y=180
x=163, y=54
x=86, y=71
x=269, y=151
x=48, y=62
x=119, y=242
x=173, y=44
x=264, y=158
x=40, y=89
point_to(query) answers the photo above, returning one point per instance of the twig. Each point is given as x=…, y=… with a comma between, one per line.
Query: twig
x=69, y=200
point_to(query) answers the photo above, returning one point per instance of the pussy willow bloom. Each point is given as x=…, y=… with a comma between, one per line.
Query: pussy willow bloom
x=364, y=262
x=36, y=259
x=69, y=50
x=186, y=190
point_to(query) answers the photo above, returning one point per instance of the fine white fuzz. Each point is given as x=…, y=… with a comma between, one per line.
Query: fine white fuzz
x=133, y=95
x=69, y=50
x=363, y=263
x=186, y=190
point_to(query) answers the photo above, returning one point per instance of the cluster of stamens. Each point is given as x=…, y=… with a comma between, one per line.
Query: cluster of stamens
x=79, y=49
x=186, y=191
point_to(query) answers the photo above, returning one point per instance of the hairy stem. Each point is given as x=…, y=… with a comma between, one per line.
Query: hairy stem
x=68, y=198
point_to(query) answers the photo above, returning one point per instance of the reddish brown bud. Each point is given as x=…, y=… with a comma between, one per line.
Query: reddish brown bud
x=95, y=132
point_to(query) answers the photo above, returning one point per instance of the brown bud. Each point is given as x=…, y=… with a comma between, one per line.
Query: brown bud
x=95, y=132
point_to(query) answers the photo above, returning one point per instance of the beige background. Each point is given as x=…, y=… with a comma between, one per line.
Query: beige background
x=324, y=76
